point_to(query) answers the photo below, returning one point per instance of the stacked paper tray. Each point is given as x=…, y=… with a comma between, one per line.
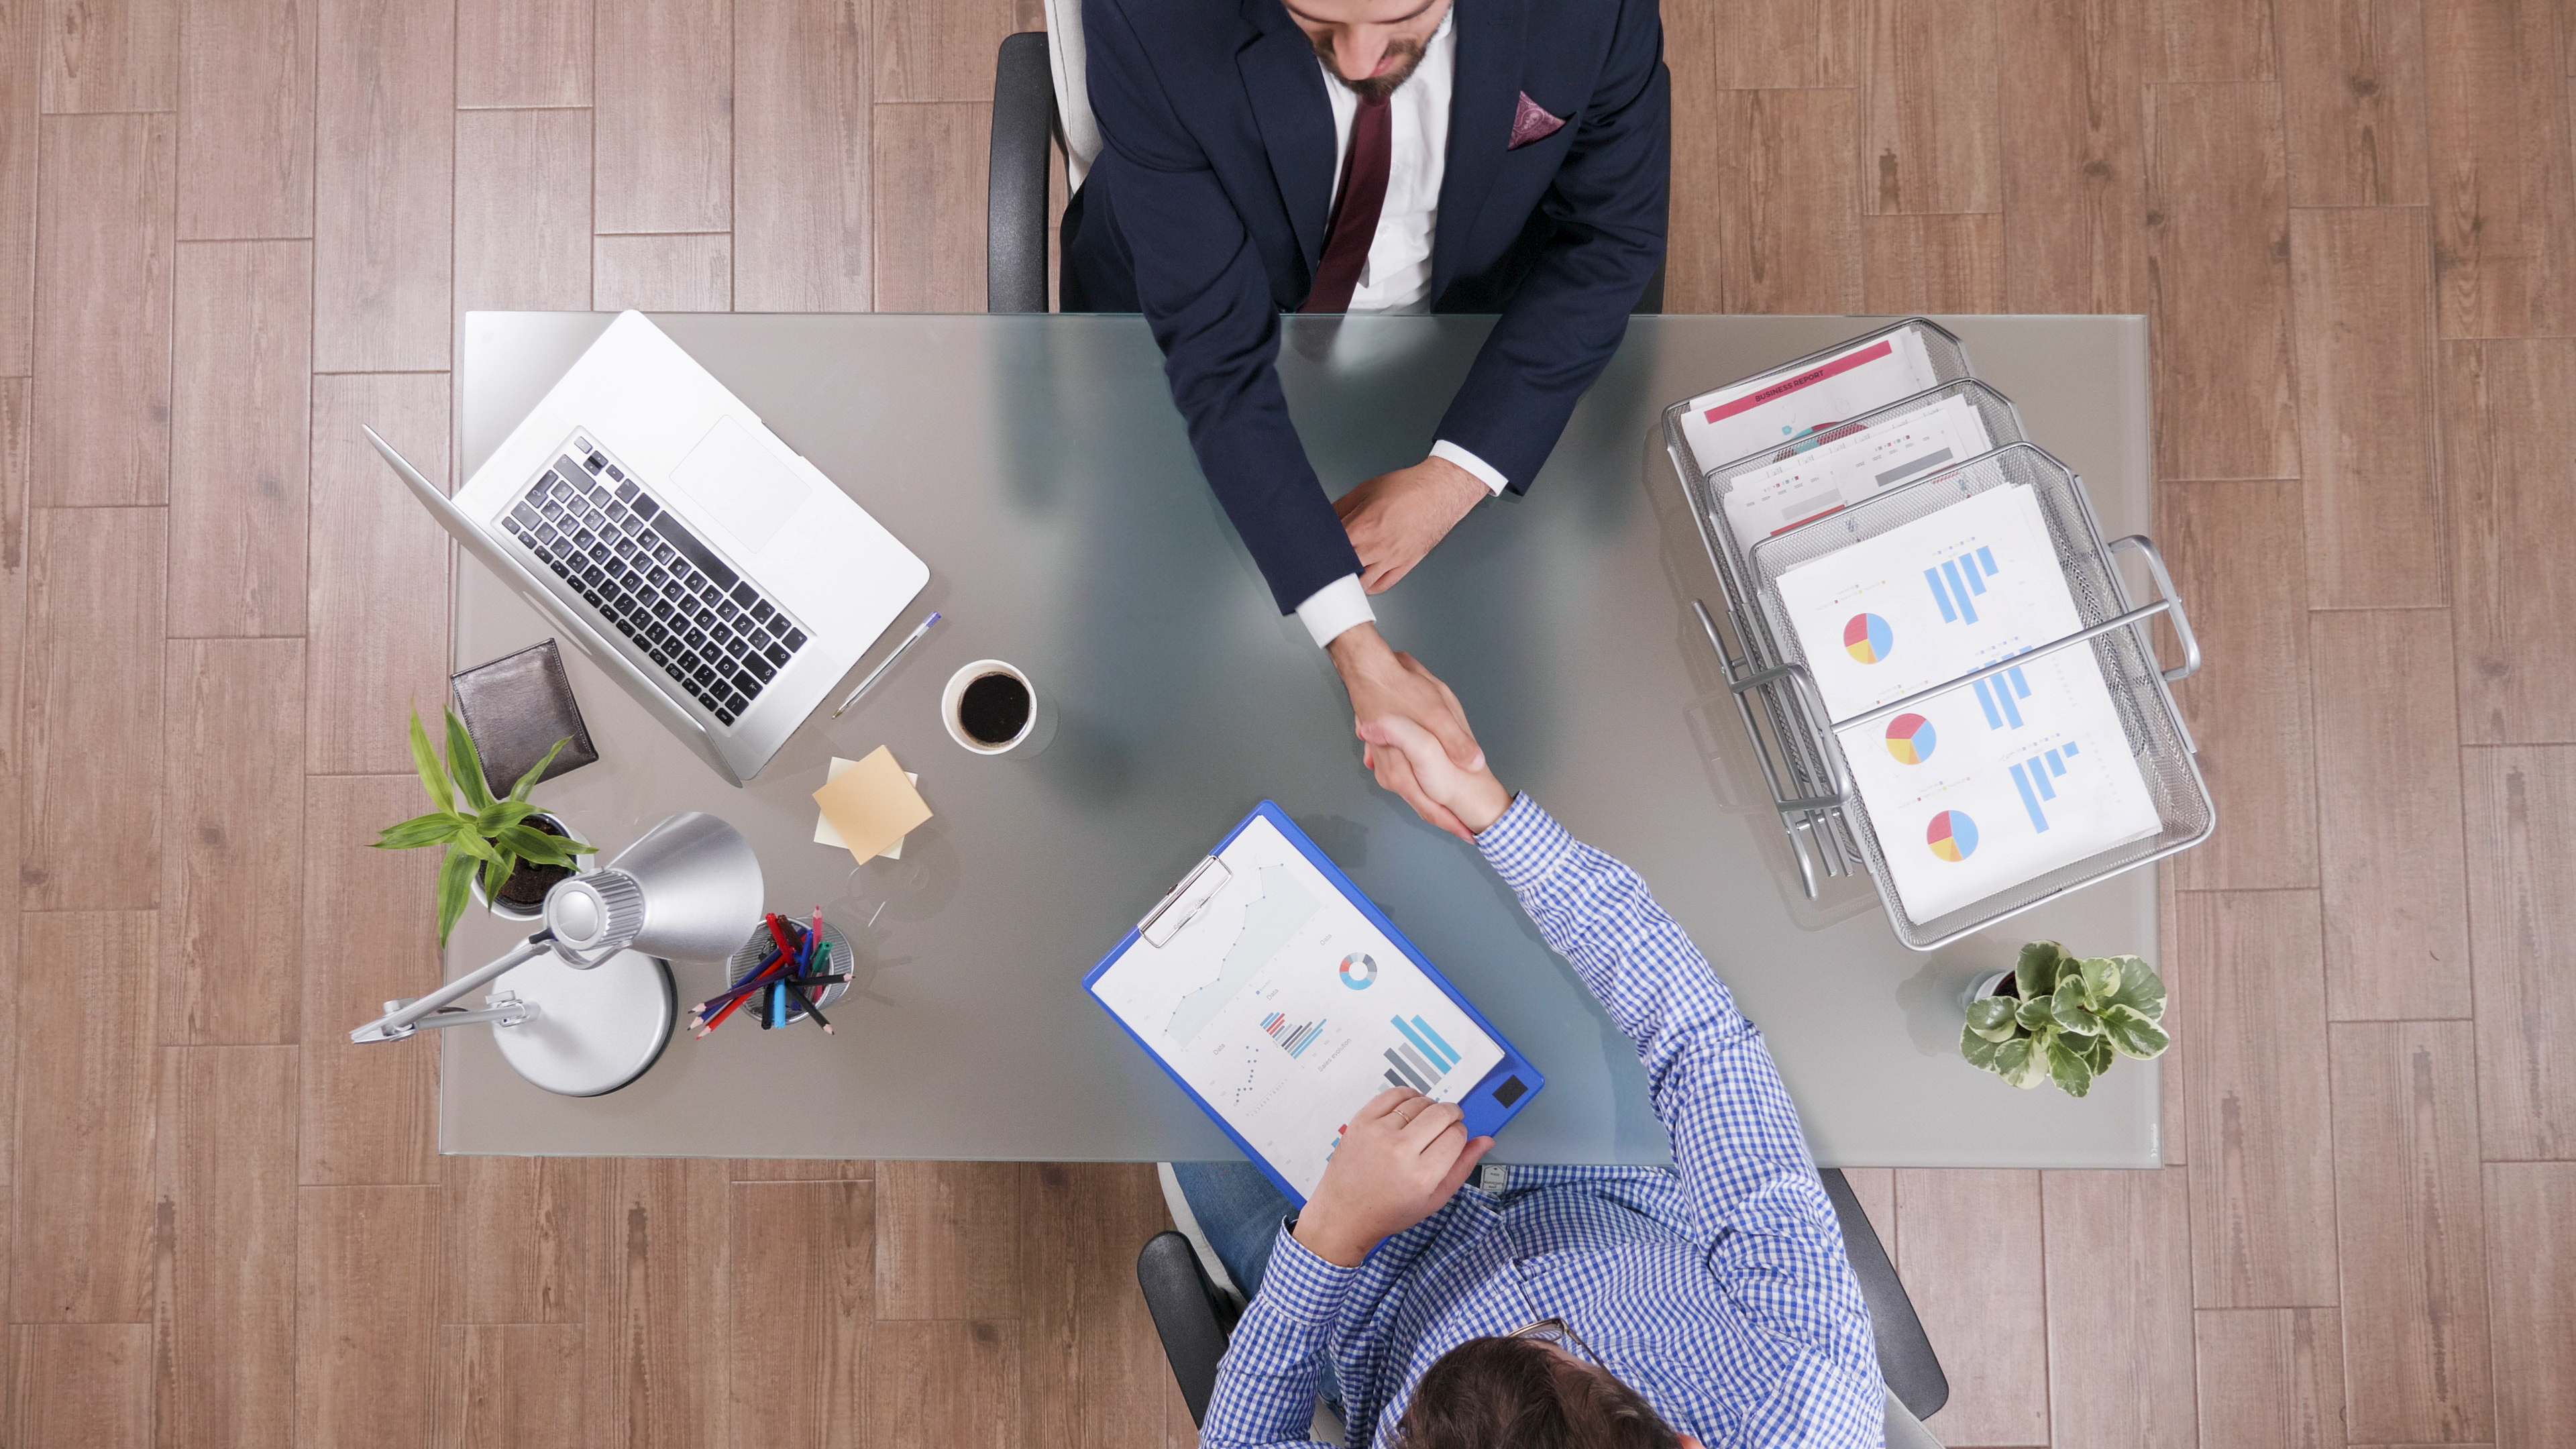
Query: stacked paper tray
x=1748, y=426
x=1730, y=532
x=1767, y=515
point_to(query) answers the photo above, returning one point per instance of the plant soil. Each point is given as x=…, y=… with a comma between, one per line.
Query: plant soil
x=527, y=886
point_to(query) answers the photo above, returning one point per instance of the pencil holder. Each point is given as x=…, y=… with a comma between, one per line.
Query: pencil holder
x=756, y=947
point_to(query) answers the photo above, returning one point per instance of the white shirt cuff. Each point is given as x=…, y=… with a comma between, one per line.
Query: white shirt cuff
x=1335, y=607
x=1494, y=482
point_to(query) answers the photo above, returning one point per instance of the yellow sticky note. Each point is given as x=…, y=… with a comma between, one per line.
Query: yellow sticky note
x=872, y=804
x=824, y=834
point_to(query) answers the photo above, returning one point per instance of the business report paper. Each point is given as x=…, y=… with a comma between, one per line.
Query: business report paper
x=1833, y=475
x=1928, y=601
x=1791, y=412
x=1987, y=786
x=1286, y=1010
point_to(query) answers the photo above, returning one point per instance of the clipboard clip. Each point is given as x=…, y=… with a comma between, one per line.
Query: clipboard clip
x=1185, y=902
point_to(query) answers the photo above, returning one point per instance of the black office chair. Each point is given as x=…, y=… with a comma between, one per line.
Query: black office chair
x=1025, y=122
x=1195, y=1318
x=1015, y=196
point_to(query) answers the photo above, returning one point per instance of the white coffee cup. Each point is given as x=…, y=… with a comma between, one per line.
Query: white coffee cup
x=1035, y=731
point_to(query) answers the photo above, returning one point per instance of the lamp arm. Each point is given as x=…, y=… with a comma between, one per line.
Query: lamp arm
x=397, y=1024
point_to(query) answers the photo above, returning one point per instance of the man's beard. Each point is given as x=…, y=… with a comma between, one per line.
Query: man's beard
x=1376, y=87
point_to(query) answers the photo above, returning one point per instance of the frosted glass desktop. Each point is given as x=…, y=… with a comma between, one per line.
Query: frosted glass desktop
x=1037, y=464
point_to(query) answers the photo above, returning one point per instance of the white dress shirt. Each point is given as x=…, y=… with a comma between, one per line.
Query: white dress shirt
x=1397, y=274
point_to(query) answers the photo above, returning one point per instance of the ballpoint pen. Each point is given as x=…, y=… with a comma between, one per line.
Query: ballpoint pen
x=877, y=673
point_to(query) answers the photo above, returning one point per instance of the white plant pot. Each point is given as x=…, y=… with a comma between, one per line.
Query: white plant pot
x=1985, y=985
x=512, y=910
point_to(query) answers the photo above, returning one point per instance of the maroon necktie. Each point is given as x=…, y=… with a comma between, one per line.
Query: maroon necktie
x=1354, y=223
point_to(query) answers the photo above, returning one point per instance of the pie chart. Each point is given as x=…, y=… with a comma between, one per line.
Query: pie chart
x=1910, y=739
x=1358, y=971
x=1868, y=639
x=1952, y=835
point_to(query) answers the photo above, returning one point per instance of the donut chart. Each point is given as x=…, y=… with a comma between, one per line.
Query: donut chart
x=1952, y=835
x=1359, y=970
x=1910, y=738
x=1867, y=638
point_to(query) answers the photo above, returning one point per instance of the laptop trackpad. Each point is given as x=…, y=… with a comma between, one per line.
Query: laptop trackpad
x=740, y=484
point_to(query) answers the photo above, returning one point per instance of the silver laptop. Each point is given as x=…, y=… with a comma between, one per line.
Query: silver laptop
x=716, y=575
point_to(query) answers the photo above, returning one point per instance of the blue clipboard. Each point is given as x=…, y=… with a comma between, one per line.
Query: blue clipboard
x=1494, y=1101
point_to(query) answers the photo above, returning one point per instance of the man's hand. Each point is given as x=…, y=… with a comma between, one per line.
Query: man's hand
x=1383, y=683
x=1395, y=518
x=1474, y=798
x=1402, y=1156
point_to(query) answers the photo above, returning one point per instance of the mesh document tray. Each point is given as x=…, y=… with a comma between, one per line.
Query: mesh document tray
x=1708, y=495
x=2114, y=632
x=1818, y=837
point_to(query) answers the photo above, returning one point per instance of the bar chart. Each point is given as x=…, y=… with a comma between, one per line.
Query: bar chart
x=1295, y=1038
x=1421, y=1058
x=2035, y=779
x=1956, y=583
x=2000, y=695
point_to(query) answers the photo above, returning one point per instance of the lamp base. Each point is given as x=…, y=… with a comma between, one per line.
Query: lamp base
x=595, y=1030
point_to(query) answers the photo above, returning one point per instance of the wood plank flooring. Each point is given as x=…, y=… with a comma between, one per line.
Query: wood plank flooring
x=232, y=230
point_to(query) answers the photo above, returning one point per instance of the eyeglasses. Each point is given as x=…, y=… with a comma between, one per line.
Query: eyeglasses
x=1557, y=1331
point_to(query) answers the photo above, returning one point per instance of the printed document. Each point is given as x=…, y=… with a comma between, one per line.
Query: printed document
x=1993, y=784
x=1285, y=1009
x=1794, y=410
x=1807, y=485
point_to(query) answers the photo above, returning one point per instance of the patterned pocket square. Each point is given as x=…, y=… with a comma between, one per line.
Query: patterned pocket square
x=1532, y=123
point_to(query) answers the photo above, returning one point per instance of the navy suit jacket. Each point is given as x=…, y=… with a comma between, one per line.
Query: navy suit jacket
x=1206, y=212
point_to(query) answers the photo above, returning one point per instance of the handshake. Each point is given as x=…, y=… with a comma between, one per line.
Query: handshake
x=1415, y=735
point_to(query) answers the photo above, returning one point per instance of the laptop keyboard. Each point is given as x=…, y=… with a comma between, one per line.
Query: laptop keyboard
x=718, y=637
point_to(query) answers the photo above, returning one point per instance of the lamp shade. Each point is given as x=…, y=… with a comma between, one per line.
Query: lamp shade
x=686, y=891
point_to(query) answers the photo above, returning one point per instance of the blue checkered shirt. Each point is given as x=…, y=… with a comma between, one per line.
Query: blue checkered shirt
x=1717, y=1289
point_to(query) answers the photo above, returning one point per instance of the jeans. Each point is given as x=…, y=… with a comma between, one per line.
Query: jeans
x=1240, y=1213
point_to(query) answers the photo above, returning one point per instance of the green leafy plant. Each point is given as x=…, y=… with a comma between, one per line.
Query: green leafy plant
x=480, y=833
x=2066, y=1018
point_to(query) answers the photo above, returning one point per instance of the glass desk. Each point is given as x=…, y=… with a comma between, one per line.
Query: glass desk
x=1037, y=464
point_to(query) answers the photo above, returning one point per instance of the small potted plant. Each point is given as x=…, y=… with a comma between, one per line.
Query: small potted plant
x=507, y=852
x=2056, y=1018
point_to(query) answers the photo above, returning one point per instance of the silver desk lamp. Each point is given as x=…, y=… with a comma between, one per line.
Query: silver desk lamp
x=591, y=1005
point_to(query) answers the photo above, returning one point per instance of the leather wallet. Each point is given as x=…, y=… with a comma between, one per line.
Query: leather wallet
x=515, y=708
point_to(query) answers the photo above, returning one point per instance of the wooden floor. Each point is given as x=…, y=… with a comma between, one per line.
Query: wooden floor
x=232, y=229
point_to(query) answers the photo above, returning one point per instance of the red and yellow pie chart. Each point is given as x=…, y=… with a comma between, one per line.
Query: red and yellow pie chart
x=1910, y=739
x=1952, y=835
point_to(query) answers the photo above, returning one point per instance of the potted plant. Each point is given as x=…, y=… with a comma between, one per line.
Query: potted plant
x=2056, y=1018
x=507, y=851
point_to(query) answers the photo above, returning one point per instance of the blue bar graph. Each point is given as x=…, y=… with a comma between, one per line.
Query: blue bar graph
x=1998, y=701
x=1958, y=592
x=2022, y=776
x=1427, y=1039
x=1956, y=582
x=2035, y=778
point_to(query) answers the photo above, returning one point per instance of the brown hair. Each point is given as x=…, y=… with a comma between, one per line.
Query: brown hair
x=1516, y=1393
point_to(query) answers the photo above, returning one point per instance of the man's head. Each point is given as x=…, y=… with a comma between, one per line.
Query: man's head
x=1372, y=46
x=1530, y=1395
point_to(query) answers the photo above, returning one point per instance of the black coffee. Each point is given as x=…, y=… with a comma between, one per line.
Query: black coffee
x=994, y=709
